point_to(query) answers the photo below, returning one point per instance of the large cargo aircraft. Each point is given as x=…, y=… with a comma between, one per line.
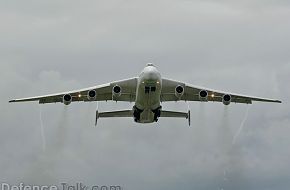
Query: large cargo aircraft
x=147, y=91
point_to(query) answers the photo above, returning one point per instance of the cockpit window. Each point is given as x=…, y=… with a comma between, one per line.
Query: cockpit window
x=147, y=89
x=150, y=64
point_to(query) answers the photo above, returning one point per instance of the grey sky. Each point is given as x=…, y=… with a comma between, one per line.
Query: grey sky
x=58, y=45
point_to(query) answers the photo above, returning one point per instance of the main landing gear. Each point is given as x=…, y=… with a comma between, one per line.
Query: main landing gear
x=157, y=113
x=137, y=113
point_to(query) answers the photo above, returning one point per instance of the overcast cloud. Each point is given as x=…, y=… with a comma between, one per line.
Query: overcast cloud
x=58, y=45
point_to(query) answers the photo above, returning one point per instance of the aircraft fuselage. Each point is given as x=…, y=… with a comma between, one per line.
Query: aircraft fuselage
x=147, y=104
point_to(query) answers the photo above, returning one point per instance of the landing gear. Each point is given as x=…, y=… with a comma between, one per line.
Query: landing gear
x=157, y=113
x=137, y=113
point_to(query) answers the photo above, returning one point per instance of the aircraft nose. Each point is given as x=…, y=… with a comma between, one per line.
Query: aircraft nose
x=151, y=76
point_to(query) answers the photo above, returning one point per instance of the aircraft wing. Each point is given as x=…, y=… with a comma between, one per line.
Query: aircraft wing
x=192, y=93
x=103, y=93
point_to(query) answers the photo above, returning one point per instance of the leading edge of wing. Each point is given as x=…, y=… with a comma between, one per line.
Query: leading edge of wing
x=36, y=98
x=253, y=98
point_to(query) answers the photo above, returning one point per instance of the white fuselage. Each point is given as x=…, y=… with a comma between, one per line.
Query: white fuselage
x=148, y=93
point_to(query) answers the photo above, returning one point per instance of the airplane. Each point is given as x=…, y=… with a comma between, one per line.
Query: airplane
x=148, y=91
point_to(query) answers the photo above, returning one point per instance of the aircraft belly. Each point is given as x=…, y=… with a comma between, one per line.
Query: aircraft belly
x=147, y=102
x=147, y=116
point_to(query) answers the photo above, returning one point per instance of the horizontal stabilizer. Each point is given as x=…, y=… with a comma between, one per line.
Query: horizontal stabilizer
x=123, y=113
x=176, y=115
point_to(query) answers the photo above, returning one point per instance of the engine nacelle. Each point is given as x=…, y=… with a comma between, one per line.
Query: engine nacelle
x=117, y=91
x=179, y=91
x=92, y=95
x=67, y=99
x=203, y=95
x=227, y=99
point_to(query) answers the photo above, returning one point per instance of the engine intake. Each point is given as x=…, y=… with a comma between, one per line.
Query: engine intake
x=227, y=99
x=67, y=99
x=92, y=95
x=179, y=91
x=117, y=91
x=203, y=94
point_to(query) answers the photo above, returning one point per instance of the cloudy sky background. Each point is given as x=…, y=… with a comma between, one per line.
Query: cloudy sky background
x=58, y=45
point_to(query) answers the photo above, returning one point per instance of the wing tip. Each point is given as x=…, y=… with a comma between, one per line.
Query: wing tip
x=277, y=101
x=10, y=101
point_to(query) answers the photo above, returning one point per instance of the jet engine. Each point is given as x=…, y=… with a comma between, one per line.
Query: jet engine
x=203, y=94
x=117, y=91
x=92, y=95
x=227, y=99
x=179, y=91
x=67, y=99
